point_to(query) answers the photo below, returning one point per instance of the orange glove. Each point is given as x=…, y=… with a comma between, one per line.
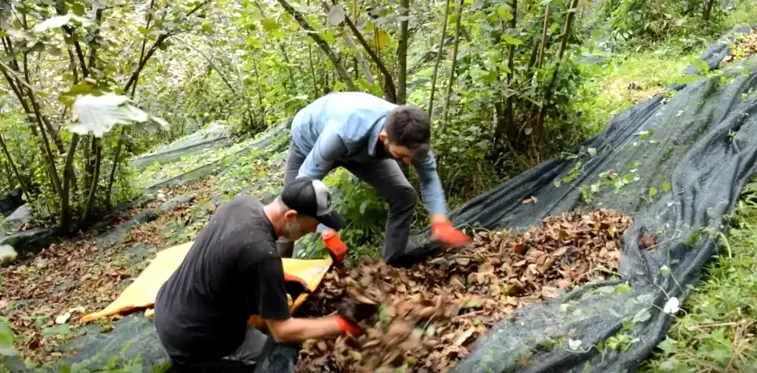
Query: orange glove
x=348, y=327
x=337, y=248
x=445, y=232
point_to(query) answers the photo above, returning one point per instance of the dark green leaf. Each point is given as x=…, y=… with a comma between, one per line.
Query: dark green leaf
x=78, y=9
x=511, y=40
x=504, y=11
x=269, y=24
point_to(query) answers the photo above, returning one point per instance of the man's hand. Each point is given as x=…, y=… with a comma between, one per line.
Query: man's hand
x=337, y=248
x=442, y=230
x=351, y=313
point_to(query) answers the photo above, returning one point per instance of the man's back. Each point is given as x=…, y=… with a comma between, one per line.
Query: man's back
x=354, y=116
x=202, y=310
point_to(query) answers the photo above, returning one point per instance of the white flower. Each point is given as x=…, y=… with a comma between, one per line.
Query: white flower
x=574, y=344
x=671, y=307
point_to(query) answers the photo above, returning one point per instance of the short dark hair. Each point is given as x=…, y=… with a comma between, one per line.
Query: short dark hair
x=408, y=126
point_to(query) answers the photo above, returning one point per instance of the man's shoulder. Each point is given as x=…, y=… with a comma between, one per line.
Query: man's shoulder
x=242, y=201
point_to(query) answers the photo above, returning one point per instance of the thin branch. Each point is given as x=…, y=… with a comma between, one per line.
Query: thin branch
x=392, y=92
x=402, y=53
x=14, y=168
x=321, y=43
x=454, y=64
x=438, y=60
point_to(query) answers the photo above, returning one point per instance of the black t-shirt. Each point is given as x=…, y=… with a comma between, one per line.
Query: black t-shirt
x=232, y=271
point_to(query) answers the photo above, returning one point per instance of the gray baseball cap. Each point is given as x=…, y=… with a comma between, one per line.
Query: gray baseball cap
x=311, y=197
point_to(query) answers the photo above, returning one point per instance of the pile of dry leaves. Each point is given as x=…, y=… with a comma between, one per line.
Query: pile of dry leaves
x=743, y=46
x=429, y=314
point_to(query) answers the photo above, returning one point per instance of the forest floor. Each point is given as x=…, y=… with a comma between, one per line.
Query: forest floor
x=53, y=290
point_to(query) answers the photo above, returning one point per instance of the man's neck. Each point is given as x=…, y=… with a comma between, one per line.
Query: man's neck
x=273, y=213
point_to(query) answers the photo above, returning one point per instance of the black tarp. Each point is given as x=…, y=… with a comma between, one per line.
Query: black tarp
x=697, y=149
x=681, y=164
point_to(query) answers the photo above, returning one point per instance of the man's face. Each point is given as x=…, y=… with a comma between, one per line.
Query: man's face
x=297, y=226
x=398, y=152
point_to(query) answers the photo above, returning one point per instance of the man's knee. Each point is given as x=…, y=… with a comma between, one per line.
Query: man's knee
x=404, y=198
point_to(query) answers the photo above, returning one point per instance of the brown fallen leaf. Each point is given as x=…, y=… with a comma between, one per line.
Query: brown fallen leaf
x=648, y=241
x=532, y=199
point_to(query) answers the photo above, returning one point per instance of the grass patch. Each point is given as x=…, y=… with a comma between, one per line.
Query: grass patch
x=716, y=333
x=623, y=80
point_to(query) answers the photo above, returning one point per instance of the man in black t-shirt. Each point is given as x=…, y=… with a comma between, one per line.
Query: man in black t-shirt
x=233, y=271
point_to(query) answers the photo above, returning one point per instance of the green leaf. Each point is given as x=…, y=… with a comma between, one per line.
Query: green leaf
x=511, y=40
x=669, y=346
x=383, y=39
x=666, y=187
x=328, y=36
x=665, y=271
x=206, y=27
x=78, y=9
x=82, y=88
x=623, y=288
x=269, y=24
x=56, y=330
x=652, y=192
x=142, y=30
x=641, y=316
x=504, y=11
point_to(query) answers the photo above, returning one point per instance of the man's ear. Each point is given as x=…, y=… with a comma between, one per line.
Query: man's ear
x=383, y=136
x=290, y=216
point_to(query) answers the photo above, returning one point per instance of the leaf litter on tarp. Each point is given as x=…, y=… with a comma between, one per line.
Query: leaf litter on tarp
x=431, y=313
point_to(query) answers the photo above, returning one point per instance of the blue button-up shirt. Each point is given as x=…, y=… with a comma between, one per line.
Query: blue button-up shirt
x=345, y=127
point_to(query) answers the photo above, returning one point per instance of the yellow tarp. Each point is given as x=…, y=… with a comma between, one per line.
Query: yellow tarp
x=144, y=290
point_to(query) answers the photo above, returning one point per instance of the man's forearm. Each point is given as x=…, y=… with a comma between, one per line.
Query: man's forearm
x=431, y=186
x=297, y=330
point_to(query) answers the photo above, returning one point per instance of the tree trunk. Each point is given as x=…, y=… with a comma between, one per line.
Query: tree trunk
x=68, y=180
x=402, y=53
x=390, y=92
x=438, y=60
x=261, y=105
x=543, y=46
x=561, y=52
x=321, y=43
x=510, y=114
x=95, y=178
x=448, y=94
x=312, y=70
x=15, y=169
x=708, y=10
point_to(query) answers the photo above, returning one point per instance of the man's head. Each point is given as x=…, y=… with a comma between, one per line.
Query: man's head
x=301, y=206
x=406, y=133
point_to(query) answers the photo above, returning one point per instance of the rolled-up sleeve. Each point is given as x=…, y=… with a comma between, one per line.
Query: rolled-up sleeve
x=431, y=186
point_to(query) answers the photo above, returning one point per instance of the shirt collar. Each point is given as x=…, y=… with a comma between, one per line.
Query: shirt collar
x=375, y=146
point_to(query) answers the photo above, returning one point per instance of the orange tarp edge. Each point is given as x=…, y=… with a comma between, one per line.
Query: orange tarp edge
x=143, y=291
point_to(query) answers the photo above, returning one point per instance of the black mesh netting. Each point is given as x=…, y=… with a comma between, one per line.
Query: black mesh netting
x=696, y=150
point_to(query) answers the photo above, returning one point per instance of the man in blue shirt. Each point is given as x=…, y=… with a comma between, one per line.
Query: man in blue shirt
x=367, y=135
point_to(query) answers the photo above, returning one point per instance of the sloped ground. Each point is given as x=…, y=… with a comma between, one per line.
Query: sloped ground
x=45, y=296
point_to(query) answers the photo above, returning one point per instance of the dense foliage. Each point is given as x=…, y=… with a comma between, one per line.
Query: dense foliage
x=498, y=79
